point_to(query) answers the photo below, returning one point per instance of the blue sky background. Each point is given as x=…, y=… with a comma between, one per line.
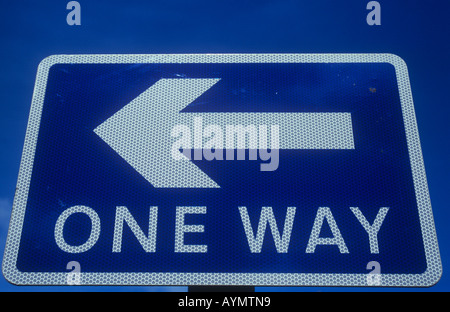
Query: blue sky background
x=417, y=31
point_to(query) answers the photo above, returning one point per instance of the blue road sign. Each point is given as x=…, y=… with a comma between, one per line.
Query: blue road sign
x=239, y=169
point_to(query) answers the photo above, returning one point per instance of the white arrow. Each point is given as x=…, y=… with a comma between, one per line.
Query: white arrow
x=140, y=131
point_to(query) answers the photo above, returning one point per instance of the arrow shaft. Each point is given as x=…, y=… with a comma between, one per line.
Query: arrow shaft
x=296, y=130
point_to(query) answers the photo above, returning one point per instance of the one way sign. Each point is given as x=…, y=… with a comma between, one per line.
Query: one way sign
x=222, y=169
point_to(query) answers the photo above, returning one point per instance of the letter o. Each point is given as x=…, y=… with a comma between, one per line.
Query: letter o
x=93, y=237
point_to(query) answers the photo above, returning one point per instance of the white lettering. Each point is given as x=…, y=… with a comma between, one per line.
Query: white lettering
x=255, y=234
x=181, y=228
x=372, y=230
x=314, y=239
x=197, y=302
x=93, y=236
x=123, y=215
x=267, y=216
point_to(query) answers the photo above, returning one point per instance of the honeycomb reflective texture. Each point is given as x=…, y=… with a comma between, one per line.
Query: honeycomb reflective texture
x=69, y=173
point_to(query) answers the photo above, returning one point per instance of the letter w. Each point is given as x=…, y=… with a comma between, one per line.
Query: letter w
x=267, y=216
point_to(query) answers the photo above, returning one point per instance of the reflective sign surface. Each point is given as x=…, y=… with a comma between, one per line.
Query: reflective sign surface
x=222, y=170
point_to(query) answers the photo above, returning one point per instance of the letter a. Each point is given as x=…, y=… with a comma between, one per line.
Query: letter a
x=374, y=16
x=74, y=16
